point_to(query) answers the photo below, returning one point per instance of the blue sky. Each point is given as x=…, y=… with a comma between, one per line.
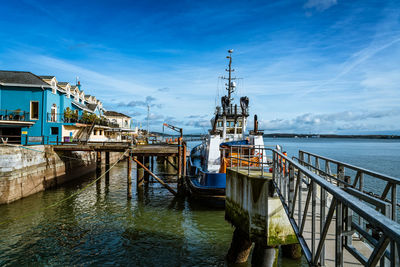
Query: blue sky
x=309, y=66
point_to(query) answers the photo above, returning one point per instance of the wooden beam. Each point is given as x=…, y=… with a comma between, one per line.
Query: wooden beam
x=129, y=177
x=155, y=177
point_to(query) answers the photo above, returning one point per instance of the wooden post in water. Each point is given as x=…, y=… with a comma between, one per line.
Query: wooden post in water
x=98, y=163
x=139, y=172
x=179, y=159
x=184, y=159
x=147, y=165
x=129, y=188
x=107, y=166
x=152, y=164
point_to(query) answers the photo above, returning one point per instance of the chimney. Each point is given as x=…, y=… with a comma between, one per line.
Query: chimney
x=79, y=85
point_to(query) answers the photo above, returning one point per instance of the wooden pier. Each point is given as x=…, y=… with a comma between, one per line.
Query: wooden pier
x=142, y=155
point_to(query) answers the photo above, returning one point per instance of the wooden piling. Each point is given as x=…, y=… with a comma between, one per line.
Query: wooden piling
x=138, y=163
x=139, y=171
x=129, y=176
x=152, y=163
x=147, y=165
x=107, y=166
x=98, y=163
x=184, y=159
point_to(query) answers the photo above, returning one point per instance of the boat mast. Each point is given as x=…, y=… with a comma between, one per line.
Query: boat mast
x=230, y=88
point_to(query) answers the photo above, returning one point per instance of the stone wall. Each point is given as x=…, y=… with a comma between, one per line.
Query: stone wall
x=25, y=171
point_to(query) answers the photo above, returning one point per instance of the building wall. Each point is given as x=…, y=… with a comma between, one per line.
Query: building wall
x=121, y=121
x=14, y=98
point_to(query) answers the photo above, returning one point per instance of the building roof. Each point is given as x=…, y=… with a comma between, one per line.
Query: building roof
x=81, y=106
x=114, y=113
x=92, y=107
x=63, y=83
x=21, y=77
x=46, y=77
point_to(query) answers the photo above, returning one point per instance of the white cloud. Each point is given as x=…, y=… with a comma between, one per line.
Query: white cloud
x=333, y=122
x=320, y=5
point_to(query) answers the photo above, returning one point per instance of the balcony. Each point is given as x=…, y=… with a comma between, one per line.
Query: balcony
x=75, y=118
x=13, y=115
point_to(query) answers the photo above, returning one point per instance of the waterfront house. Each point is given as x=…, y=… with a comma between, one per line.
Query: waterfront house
x=39, y=109
x=124, y=130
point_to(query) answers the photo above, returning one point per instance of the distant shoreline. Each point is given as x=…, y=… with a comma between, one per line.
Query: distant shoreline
x=290, y=135
x=354, y=136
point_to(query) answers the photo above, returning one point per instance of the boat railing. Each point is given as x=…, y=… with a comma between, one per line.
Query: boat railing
x=249, y=157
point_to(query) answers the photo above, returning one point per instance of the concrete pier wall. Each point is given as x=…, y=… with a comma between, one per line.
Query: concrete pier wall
x=25, y=171
x=251, y=206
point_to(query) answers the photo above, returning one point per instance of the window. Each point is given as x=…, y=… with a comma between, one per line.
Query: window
x=54, y=130
x=220, y=124
x=34, y=110
x=53, y=113
x=53, y=87
x=100, y=132
x=95, y=132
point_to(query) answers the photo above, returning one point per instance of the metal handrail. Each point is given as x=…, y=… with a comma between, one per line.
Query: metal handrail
x=355, y=168
x=288, y=185
x=291, y=177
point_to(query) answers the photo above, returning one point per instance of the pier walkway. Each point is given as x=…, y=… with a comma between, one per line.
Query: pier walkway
x=336, y=221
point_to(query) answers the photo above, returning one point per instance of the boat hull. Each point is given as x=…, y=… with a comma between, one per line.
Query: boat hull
x=211, y=196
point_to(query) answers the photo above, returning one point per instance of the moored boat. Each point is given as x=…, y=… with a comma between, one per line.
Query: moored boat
x=208, y=161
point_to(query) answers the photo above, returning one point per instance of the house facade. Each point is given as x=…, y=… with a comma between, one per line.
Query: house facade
x=124, y=130
x=41, y=110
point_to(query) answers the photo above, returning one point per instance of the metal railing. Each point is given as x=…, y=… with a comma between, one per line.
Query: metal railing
x=333, y=200
x=248, y=157
x=74, y=118
x=13, y=115
x=350, y=176
x=291, y=178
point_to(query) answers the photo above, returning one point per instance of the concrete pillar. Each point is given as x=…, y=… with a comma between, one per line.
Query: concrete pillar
x=240, y=247
x=139, y=172
x=146, y=174
x=129, y=177
x=292, y=251
x=264, y=256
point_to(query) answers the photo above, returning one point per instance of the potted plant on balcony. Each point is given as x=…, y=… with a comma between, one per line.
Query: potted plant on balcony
x=68, y=114
x=85, y=117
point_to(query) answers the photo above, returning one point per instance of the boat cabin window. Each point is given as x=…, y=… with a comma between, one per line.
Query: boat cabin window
x=219, y=124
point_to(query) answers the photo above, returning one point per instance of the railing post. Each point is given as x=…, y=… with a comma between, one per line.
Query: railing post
x=338, y=233
x=291, y=186
x=322, y=222
x=348, y=216
x=394, y=248
x=340, y=174
x=314, y=215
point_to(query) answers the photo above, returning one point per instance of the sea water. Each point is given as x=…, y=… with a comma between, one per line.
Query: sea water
x=101, y=227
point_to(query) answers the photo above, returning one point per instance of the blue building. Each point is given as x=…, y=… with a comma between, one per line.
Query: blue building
x=39, y=109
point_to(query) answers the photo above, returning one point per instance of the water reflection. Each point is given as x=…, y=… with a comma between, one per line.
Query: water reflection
x=101, y=226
